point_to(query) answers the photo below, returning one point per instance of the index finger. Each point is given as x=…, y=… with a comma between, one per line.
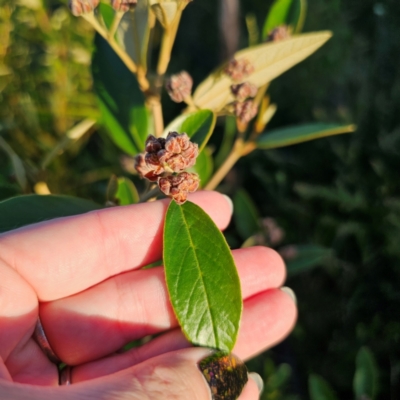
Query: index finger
x=67, y=255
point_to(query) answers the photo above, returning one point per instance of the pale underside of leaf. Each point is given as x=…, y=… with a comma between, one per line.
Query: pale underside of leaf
x=133, y=32
x=269, y=60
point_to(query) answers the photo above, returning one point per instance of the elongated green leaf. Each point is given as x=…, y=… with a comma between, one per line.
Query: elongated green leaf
x=278, y=15
x=121, y=103
x=201, y=276
x=301, y=258
x=199, y=126
x=245, y=214
x=300, y=133
x=25, y=210
x=319, y=389
x=127, y=192
x=269, y=60
x=227, y=142
x=16, y=162
x=204, y=166
x=365, y=381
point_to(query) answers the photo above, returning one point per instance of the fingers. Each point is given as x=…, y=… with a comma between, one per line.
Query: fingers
x=135, y=304
x=18, y=310
x=67, y=255
x=169, y=376
x=267, y=319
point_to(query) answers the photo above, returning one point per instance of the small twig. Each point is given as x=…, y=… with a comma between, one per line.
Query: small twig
x=147, y=196
x=114, y=26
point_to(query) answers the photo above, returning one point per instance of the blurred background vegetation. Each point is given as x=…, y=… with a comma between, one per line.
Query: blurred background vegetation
x=340, y=193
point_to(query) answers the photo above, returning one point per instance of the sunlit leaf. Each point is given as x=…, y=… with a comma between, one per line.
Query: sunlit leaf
x=25, y=210
x=288, y=136
x=277, y=15
x=123, y=112
x=127, y=192
x=319, y=389
x=245, y=214
x=201, y=276
x=269, y=60
x=366, y=377
x=199, y=126
x=301, y=258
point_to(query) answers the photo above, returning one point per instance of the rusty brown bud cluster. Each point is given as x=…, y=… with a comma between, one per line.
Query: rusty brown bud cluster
x=79, y=7
x=243, y=91
x=245, y=111
x=123, y=5
x=179, y=86
x=238, y=70
x=279, y=33
x=179, y=186
x=163, y=158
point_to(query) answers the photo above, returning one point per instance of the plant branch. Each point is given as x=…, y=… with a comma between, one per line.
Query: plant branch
x=239, y=149
x=147, y=196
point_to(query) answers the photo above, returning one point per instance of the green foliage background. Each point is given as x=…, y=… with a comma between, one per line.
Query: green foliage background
x=342, y=192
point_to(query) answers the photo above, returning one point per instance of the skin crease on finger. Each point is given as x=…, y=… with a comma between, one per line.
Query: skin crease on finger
x=74, y=253
x=169, y=376
x=268, y=318
x=136, y=304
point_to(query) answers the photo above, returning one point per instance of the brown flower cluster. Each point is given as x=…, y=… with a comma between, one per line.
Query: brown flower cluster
x=165, y=161
x=179, y=186
x=238, y=70
x=123, y=5
x=243, y=108
x=278, y=34
x=179, y=86
x=79, y=7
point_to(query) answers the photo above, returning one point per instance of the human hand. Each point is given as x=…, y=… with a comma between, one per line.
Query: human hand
x=82, y=274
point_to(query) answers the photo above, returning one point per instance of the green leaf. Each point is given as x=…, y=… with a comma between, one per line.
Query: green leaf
x=301, y=258
x=227, y=142
x=25, y=210
x=319, y=389
x=107, y=13
x=300, y=133
x=277, y=16
x=127, y=192
x=201, y=276
x=121, y=103
x=16, y=162
x=199, y=126
x=279, y=377
x=246, y=215
x=297, y=15
x=365, y=381
x=204, y=166
x=269, y=60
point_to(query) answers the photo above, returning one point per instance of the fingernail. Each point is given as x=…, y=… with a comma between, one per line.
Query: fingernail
x=258, y=380
x=225, y=374
x=290, y=292
x=230, y=202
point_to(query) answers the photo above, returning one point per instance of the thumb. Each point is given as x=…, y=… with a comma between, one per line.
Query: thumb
x=195, y=373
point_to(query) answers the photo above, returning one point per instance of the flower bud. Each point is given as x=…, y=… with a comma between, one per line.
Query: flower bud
x=148, y=168
x=179, y=86
x=278, y=34
x=179, y=186
x=238, y=70
x=123, y=5
x=79, y=7
x=245, y=111
x=244, y=91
